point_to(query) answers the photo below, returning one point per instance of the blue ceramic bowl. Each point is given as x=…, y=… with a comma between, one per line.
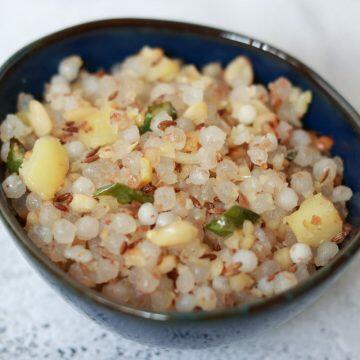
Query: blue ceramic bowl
x=103, y=43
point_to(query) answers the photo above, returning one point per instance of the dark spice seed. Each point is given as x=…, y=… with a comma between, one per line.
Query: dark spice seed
x=243, y=201
x=115, y=116
x=173, y=274
x=113, y=95
x=199, y=126
x=132, y=245
x=195, y=201
x=64, y=137
x=124, y=247
x=233, y=269
x=325, y=175
x=337, y=180
x=216, y=211
x=67, y=197
x=165, y=124
x=148, y=188
x=216, y=247
x=71, y=129
x=178, y=167
x=93, y=152
x=209, y=205
x=338, y=238
x=272, y=276
x=212, y=173
x=68, y=200
x=61, y=207
x=219, y=157
x=222, y=112
x=211, y=257
x=91, y=159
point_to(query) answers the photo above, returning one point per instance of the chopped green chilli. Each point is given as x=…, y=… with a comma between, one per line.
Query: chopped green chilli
x=238, y=215
x=15, y=156
x=123, y=193
x=155, y=109
x=221, y=226
x=231, y=220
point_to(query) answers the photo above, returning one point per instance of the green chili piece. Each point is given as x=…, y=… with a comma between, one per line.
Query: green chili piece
x=123, y=193
x=154, y=110
x=15, y=156
x=231, y=220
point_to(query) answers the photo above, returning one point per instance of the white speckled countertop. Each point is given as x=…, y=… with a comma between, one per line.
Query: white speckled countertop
x=35, y=323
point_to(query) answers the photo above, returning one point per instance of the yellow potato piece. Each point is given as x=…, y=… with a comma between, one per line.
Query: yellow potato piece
x=164, y=70
x=239, y=72
x=39, y=118
x=240, y=281
x=45, y=169
x=152, y=54
x=192, y=141
x=167, y=264
x=282, y=257
x=167, y=150
x=176, y=233
x=316, y=221
x=23, y=116
x=80, y=113
x=197, y=113
x=134, y=257
x=95, y=128
x=145, y=171
x=82, y=203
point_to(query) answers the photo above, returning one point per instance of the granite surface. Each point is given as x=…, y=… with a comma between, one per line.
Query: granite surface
x=35, y=323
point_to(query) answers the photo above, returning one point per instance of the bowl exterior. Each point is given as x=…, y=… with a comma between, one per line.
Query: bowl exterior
x=184, y=334
x=101, y=44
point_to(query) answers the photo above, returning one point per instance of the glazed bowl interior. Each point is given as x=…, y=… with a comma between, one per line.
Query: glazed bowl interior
x=103, y=43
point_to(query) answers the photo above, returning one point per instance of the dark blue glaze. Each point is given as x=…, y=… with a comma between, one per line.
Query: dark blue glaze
x=101, y=44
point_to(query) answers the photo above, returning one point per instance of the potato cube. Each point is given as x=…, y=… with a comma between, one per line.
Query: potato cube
x=45, y=169
x=39, y=118
x=176, y=233
x=164, y=70
x=240, y=282
x=95, y=128
x=145, y=171
x=82, y=203
x=197, y=113
x=316, y=221
x=282, y=257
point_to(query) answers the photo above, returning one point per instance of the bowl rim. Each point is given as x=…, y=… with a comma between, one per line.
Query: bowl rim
x=29, y=248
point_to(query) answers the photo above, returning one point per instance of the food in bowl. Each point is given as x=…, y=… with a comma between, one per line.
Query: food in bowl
x=173, y=188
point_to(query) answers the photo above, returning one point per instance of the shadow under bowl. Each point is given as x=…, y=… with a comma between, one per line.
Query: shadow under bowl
x=103, y=43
